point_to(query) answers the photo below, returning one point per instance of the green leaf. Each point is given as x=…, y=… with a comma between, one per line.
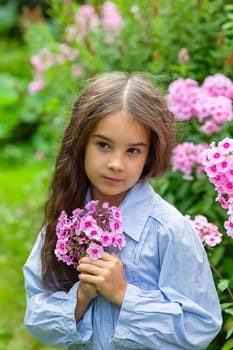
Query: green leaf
x=217, y=255
x=227, y=26
x=229, y=311
x=229, y=333
x=223, y=285
x=8, y=89
x=228, y=345
x=226, y=305
x=8, y=16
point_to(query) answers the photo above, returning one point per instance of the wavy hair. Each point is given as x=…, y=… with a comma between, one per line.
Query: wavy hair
x=103, y=95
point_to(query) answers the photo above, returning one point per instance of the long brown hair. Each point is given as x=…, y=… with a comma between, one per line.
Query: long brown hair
x=105, y=94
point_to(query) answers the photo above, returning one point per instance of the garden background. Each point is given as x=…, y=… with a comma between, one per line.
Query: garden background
x=48, y=49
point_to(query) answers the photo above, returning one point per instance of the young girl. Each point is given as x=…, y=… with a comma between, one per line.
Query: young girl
x=157, y=292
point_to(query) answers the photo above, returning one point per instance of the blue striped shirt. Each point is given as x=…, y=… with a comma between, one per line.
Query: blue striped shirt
x=170, y=301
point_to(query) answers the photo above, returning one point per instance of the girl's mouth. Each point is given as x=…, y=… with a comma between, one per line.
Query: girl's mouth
x=112, y=180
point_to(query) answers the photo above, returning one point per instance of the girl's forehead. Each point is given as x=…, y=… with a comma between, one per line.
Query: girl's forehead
x=121, y=124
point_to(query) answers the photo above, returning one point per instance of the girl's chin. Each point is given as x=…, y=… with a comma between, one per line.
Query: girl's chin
x=111, y=196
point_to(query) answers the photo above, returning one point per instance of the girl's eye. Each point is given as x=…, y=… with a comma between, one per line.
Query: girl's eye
x=103, y=145
x=133, y=150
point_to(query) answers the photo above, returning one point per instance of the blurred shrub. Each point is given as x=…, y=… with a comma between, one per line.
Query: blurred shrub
x=79, y=41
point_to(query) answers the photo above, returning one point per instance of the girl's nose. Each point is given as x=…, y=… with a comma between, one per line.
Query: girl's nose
x=116, y=162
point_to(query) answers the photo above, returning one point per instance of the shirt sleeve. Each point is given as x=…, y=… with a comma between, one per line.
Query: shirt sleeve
x=184, y=312
x=50, y=317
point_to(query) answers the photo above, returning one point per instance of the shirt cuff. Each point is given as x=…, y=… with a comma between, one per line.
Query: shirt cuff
x=84, y=326
x=122, y=328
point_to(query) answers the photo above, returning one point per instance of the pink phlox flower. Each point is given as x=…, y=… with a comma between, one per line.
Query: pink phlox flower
x=208, y=232
x=210, y=126
x=91, y=207
x=226, y=144
x=182, y=97
x=77, y=70
x=115, y=226
x=183, y=56
x=89, y=226
x=77, y=213
x=36, y=85
x=66, y=53
x=187, y=157
x=77, y=227
x=230, y=207
x=86, y=20
x=63, y=218
x=106, y=239
x=67, y=259
x=119, y=241
x=228, y=225
x=229, y=173
x=213, y=112
x=222, y=110
x=95, y=251
x=111, y=17
x=218, y=85
x=87, y=222
x=212, y=240
x=94, y=233
x=116, y=213
x=42, y=60
x=72, y=34
x=222, y=200
x=204, y=105
x=62, y=246
x=134, y=9
x=64, y=232
x=228, y=187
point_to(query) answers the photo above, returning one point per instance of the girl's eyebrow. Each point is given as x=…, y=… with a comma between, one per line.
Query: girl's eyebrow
x=137, y=144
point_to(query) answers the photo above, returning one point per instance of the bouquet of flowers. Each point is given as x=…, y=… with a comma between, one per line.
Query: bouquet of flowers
x=218, y=164
x=87, y=232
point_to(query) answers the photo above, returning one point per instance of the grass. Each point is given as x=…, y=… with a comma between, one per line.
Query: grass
x=22, y=194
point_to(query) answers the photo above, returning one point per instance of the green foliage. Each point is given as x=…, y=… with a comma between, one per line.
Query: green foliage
x=196, y=26
x=21, y=216
x=227, y=27
x=8, y=16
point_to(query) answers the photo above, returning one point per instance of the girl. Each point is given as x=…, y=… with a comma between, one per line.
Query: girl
x=157, y=292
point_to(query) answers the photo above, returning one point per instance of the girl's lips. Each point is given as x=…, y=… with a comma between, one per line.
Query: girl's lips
x=112, y=180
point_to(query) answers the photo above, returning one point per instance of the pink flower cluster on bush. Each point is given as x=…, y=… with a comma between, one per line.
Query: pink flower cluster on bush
x=210, y=103
x=86, y=20
x=88, y=231
x=187, y=157
x=218, y=164
x=207, y=231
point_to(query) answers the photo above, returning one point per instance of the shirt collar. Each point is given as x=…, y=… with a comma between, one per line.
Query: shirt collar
x=136, y=207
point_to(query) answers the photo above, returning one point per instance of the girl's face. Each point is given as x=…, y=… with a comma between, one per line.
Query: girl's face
x=115, y=155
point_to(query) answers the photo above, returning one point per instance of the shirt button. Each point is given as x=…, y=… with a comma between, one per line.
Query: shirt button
x=120, y=331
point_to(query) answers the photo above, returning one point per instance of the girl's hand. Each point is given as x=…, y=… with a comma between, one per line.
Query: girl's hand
x=86, y=292
x=106, y=274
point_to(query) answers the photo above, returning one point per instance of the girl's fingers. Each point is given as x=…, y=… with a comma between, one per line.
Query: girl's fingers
x=106, y=257
x=89, y=268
